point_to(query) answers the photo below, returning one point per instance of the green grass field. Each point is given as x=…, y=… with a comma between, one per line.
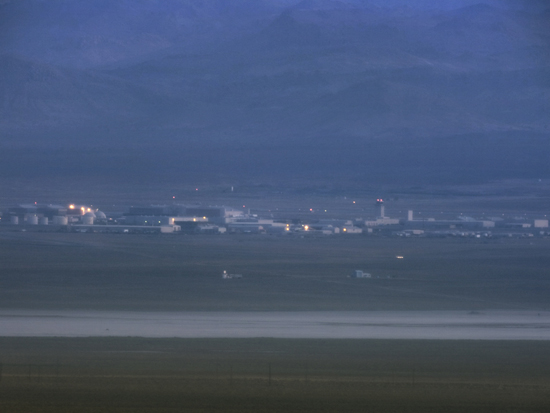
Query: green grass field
x=164, y=375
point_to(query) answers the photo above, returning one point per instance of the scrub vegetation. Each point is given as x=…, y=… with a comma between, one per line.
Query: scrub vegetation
x=183, y=272
x=165, y=375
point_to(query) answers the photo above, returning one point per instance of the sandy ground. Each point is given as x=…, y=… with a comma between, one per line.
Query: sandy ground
x=487, y=325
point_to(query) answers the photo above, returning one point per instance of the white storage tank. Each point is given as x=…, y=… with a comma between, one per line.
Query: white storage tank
x=88, y=218
x=14, y=220
x=32, y=220
x=60, y=220
x=43, y=221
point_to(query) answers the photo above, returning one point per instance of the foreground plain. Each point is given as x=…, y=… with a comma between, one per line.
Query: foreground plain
x=168, y=375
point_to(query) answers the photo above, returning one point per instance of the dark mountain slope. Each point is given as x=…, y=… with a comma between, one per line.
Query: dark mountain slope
x=481, y=37
x=215, y=87
x=78, y=33
x=37, y=97
x=304, y=77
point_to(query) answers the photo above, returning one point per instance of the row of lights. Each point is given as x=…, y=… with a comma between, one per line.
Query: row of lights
x=83, y=209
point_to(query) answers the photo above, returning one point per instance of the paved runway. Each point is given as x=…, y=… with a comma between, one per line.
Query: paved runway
x=454, y=325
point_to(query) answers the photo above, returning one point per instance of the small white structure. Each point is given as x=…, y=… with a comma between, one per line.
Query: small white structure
x=169, y=229
x=351, y=230
x=210, y=229
x=360, y=274
x=32, y=220
x=382, y=221
x=226, y=275
x=409, y=232
x=541, y=223
x=60, y=220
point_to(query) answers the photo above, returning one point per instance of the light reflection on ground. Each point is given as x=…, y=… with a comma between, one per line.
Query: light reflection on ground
x=486, y=325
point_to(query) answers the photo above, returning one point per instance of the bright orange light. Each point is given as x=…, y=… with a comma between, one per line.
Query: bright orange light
x=71, y=206
x=345, y=229
x=89, y=210
x=306, y=227
x=82, y=209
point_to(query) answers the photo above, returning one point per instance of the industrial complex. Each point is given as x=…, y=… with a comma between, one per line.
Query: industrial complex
x=200, y=219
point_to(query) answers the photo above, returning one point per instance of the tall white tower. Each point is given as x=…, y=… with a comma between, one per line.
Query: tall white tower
x=380, y=205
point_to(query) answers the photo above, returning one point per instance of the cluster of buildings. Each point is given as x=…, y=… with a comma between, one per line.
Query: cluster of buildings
x=219, y=220
x=50, y=214
x=465, y=226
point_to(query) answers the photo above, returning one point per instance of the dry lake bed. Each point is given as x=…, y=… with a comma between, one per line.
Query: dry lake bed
x=448, y=325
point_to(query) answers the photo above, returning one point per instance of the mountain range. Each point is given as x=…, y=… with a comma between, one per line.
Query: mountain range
x=277, y=87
